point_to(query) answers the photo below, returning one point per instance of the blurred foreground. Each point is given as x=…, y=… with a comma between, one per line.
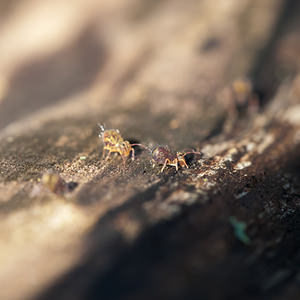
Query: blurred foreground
x=220, y=77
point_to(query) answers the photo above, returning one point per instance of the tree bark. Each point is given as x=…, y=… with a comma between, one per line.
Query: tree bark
x=217, y=78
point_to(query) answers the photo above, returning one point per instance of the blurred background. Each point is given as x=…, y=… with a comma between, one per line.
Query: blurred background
x=96, y=55
x=182, y=73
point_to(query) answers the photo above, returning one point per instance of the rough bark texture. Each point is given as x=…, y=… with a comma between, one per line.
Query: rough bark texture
x=161, y=72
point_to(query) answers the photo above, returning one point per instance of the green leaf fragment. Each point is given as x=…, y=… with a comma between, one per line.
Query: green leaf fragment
x=239, y=228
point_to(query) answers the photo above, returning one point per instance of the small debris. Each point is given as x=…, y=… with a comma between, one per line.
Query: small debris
x=242, y=165
x=57, y=185
x=239, y=228
x=241, y=195
x=286, y=186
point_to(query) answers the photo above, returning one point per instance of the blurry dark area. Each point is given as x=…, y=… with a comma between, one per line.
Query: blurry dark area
x=279, y=60
x=215, y=82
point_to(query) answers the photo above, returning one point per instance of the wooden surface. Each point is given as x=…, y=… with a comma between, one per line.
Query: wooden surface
x=162, y=73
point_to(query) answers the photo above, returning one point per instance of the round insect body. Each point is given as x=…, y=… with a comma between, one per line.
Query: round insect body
x=163, y=155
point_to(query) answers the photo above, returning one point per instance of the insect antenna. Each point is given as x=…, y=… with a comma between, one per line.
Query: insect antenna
x=101, y=126
x=192, y=152
x=133, y=150
x=102, y=129
x=143, y=146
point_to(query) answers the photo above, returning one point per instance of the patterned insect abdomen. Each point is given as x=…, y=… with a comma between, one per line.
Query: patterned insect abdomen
x=161, y=153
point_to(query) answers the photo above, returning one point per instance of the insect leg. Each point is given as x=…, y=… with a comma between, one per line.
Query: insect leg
x=141, y=145
x=107, y=157
x=103, y=153
x=133, y=152
x=167, y=161
x=124, y=160
x=184, y=163
x=153, y=163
